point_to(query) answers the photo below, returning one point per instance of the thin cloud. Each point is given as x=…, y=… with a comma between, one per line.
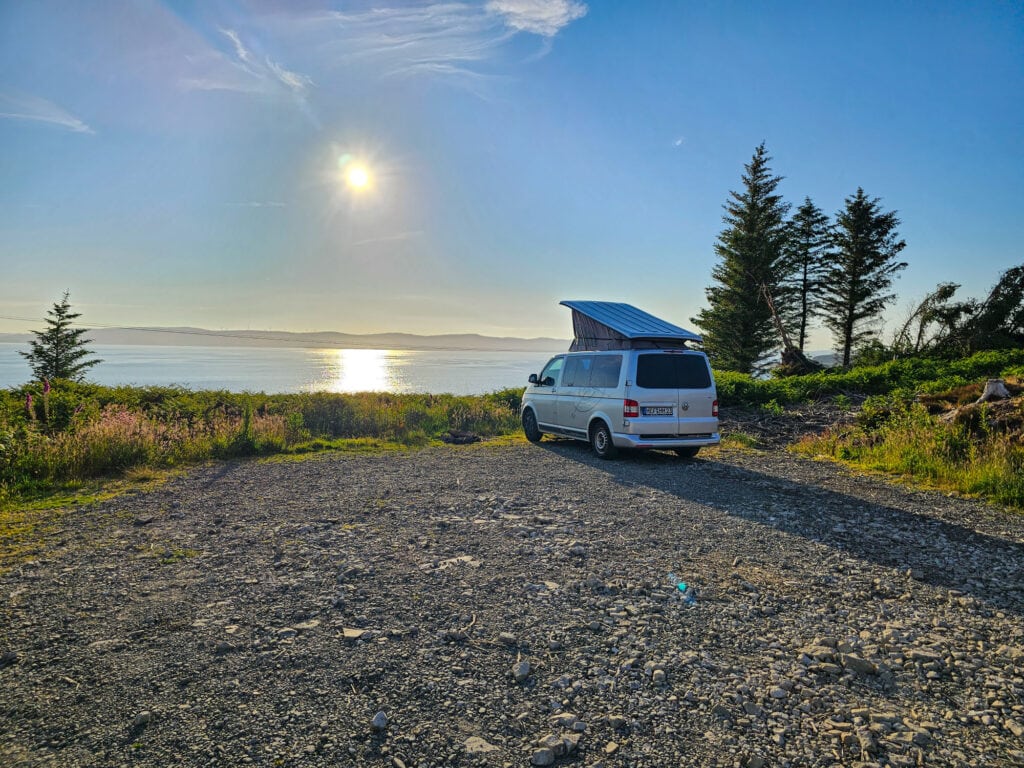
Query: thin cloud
x=398, y=236
x=245, y=72
x=540, y=17
x=37, y=109
x=679, y=141
x=259, y=204
x=443, y=40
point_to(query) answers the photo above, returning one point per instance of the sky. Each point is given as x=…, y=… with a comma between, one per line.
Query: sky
x=461, y=167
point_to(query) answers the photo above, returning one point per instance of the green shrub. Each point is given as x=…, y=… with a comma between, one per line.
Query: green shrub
x=80, y=431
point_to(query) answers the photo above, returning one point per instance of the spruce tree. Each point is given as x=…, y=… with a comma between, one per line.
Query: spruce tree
x=59, y=352
x=737, y=326
x=860, y=271
x=805, y=264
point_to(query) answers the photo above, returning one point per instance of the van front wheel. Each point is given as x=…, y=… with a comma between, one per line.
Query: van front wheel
x=530, y=428
x=601, y=441
x=687, y=453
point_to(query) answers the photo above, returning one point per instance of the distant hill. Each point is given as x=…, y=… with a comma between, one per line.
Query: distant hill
x=202, y=337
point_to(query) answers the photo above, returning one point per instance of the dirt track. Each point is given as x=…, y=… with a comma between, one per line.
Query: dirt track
x=265, y=613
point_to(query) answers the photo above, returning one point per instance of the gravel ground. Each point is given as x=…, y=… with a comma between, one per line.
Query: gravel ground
x=509, y=606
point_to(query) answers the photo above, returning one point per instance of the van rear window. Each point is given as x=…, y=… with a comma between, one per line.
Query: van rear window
x=672, y=372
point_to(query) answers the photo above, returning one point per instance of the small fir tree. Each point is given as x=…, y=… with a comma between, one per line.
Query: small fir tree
x=737, y=326
x=59, y=352
x=860, y=270
x=805, y=264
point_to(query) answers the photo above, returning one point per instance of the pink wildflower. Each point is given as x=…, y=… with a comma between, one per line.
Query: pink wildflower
x=46, y=386
x=29, y=411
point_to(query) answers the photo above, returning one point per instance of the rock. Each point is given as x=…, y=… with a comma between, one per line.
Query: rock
x=144, y=718
x=818, y=652
x=507, y=638
x=859, y=665
x=350, y=633
x=721, y=712
x=521, y=670
x=563, y=719
x=543, y=757
x=379, y=722
x=475, y=745
x=570, y=742
x=611, y=748
x=459, y=437
x=7, y=658
x=595, y=583
x=753, y=709
x=397, y=762
x=552, y=742
x=616, y=722
x=778, y=693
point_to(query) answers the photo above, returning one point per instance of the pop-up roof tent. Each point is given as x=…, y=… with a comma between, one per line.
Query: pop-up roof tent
x=601, y=325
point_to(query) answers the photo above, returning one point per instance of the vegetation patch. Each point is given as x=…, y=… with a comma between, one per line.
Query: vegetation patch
x=976, y=449
x=58, y=434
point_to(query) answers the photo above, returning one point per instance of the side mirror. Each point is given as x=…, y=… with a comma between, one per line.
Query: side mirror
x=533, y=378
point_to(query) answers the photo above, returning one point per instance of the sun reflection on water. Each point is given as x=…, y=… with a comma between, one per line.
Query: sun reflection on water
x=361, y=370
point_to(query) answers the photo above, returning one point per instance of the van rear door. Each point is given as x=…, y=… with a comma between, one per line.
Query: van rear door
x=679, y=379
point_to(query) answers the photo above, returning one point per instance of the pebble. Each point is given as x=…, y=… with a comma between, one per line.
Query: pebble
x=820, y=650
x=521, y=671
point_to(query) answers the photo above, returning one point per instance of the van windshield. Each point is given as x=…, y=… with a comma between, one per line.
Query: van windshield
x=672, y=372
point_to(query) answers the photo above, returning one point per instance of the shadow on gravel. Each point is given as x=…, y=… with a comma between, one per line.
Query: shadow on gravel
x=939, y=553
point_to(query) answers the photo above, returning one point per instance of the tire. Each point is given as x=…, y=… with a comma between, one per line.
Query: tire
x=687, y=453
x=530, y=428
x=601, y=441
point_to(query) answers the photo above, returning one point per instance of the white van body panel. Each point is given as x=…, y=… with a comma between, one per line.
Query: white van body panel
x=586, y=388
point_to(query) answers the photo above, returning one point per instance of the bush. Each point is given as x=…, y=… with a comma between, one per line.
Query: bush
x=79, y=431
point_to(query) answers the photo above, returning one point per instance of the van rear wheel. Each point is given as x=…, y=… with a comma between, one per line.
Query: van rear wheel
x=601, y=441
x=687, y=453
x=530, y=428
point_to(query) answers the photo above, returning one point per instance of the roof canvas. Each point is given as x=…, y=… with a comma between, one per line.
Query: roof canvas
x=599, y=325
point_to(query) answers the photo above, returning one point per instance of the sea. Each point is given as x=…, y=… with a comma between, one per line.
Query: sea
x=276, y=370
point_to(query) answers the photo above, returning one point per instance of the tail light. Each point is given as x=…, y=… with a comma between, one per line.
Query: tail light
x=714, y=409
x=630, y=409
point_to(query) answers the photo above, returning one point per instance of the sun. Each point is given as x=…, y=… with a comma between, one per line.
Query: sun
x=357, y=177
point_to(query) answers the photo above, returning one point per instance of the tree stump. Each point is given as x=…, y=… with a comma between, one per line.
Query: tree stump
x=995, y=389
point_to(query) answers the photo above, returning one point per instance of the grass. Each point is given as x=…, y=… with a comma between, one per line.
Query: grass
x=904, y=378
x=53, y=441
x=908, y=442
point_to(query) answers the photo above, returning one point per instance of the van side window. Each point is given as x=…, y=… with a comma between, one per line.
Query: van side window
x=606, y=371
x=577, y=371
x=672, y=372
x=551, y=371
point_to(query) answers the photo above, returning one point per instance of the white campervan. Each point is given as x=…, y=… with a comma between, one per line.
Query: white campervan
x=629, y=381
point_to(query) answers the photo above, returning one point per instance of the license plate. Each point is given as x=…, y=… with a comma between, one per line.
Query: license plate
x=659, y=411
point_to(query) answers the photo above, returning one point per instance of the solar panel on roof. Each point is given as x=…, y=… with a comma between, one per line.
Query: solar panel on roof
x=627, y=320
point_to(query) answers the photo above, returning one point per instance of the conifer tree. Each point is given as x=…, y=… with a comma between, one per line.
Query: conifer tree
x=737, y=326
x=59, y=352
x=860, y=271
x=805, y=264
